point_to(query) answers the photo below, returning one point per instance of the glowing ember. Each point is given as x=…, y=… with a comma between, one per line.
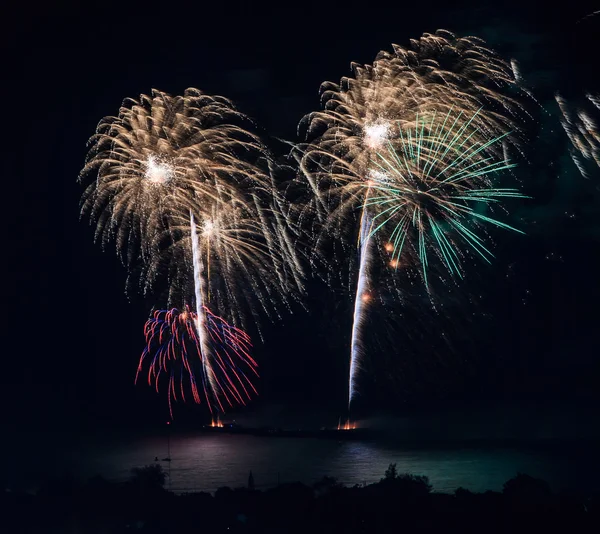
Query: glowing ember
x=375, y=134
x=209, y=228
x=380, y=177
x=158, y=172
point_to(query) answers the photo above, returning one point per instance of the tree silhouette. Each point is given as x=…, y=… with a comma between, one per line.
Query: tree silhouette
x=391, y=473
x=405, y=483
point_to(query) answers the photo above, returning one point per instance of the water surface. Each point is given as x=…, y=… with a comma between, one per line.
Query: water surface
x=205, y=462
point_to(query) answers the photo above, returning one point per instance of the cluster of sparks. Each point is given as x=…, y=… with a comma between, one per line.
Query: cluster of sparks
x=584, y=134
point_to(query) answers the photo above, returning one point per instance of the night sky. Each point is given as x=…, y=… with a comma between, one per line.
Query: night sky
x=522, y=332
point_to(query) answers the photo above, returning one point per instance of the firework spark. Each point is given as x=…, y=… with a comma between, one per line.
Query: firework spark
x=175, y=354
x=582, y=130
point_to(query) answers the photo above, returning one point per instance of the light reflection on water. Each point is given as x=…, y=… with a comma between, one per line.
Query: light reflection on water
x=207, y=462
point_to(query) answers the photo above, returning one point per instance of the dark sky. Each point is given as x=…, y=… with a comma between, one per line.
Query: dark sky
x=523, y=330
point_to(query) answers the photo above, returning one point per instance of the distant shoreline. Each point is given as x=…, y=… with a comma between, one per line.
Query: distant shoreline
x=368, y=434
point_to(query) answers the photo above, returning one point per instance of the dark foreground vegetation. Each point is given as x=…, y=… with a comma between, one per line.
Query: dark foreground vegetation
x=398, y=503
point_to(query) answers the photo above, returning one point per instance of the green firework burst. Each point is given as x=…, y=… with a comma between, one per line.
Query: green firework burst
x=427, y=185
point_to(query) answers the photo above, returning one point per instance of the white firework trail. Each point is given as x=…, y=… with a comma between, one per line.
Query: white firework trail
x=201, y=326
x=360, y=299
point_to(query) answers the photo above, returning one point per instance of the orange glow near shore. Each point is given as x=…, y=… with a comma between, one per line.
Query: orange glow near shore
x=216, y=424
x=347, y=425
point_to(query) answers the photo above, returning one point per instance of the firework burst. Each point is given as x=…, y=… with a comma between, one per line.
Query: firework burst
x=437, y=98
x=439, y=73
x=433, y=181
x=165, y=156
x=147, y=162
x=427, y=196
x=175, y=355
x=247, y=252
